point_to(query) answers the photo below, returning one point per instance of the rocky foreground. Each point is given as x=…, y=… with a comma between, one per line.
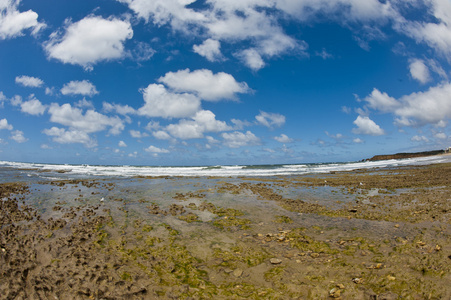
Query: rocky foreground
x=381, y=234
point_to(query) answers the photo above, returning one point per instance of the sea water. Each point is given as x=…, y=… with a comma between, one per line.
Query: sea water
x=25, y=171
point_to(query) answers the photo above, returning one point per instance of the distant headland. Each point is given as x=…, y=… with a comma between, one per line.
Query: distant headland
x=407, y=155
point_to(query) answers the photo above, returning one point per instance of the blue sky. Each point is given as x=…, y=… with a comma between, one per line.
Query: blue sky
x=185, y=82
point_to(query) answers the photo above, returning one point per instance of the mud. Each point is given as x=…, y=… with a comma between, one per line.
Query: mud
x=378, y=234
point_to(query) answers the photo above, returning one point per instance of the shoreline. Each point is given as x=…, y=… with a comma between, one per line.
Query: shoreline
x=346, y=235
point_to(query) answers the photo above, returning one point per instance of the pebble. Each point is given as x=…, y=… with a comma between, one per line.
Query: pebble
x=275, y=261
x=238, y=273
x=357, y=280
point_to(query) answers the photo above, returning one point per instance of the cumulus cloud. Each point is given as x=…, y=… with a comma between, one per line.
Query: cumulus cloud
x=283, y=138
x=122, y=144
x=5, y=125
x=210, y=49
x=259, y=23
x=138, y=134
x=118, y=108
x=84, y=88
x=419, y=71
x=440, y=135
x=203, y=121
x=417, y=109
x=429, y=107
x=270, y=120
x=33, y=107
x=358, y=140
x=251, y=58
x=228, y=21
x=13, y=22
x=89, y=41
x=419, y=138
x=367, y=126
x=153, y=149
x=88, y=122
x=29, y=81
x=159, y=102
x=63, y=136
x=381, y=101
x=238, y=139
x=205, y=84
x=18, y=136
x=161, y=135
x=162, y=12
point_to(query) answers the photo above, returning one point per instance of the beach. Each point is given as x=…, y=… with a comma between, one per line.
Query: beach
x=366, y=233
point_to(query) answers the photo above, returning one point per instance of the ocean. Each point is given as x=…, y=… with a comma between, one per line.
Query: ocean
x=24, y=171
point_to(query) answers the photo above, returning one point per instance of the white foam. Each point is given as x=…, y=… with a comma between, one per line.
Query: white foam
x=221, y=171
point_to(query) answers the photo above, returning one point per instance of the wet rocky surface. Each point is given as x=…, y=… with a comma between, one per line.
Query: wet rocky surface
x=374, y=234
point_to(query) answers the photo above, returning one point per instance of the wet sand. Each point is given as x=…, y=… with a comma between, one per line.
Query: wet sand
x=366, y=234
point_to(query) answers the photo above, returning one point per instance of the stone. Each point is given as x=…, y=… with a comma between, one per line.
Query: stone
x=275, y=261
x=237, y=272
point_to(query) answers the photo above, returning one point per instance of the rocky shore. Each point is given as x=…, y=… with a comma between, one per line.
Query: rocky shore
x=406, y=155
x=366, y=234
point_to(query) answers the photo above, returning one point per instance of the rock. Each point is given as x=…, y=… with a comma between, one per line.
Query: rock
x=335, y=293
x=238, y=273
x=314, y=255
x=275, y=261
x=357, y=280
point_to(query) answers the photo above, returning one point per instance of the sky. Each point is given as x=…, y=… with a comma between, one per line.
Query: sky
x=210, y=82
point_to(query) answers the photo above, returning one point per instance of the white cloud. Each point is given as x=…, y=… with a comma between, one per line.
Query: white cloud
x=90, y=121
x=324, y=54
x=238, y=139
x=283, y=138
x=381, y=101
x=29, y=81
x=83, y=103
x=210, y=49
x=203, y=121
x=429, y=107
x=4, y=125
x=89, y=41
x=117, y=108
x=419, y=71
x=49, y=91
x=367, y=126
x=2, y=97
x=63, y=136
x=13, y=22
x=33, y=107
x=16, y=100
x=358, y=140
x=159, y=102
x=84, y=88
x=154, y=149
x=18, y=136
x=152, y=125
x=162, y=12
x=251, y=58
x=138, y=134
x=440, y=135
x=142, y=52
x=270, y=120
x=418, y=138
x=161, y=135
x=239, y=124
x=122, y=144
x=205, y=84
